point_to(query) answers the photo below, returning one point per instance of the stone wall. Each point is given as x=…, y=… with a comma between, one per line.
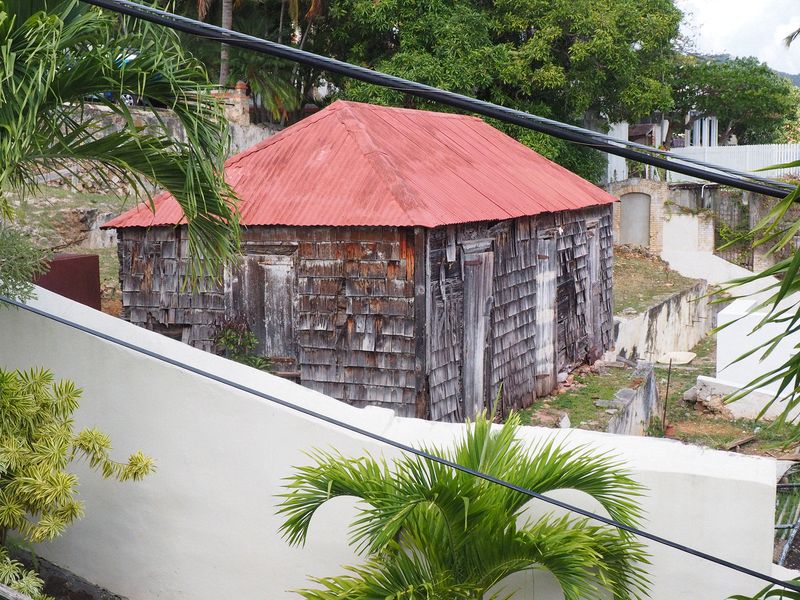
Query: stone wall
x=659, y=196
x=677, y=324
x=638, y=405
x=687, y=231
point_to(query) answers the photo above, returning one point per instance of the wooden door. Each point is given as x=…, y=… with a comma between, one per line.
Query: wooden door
x=263, y=290
x=546, y=276
x=478, y=275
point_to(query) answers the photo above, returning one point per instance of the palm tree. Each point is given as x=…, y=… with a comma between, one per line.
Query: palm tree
x=268, y=78
x=59, y=56
x=429, y=531
x=203, y=6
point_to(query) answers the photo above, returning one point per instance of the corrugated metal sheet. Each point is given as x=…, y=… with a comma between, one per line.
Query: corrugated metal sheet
x=360, y=164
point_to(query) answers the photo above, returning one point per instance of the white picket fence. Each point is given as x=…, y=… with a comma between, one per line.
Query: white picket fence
x=743, y=158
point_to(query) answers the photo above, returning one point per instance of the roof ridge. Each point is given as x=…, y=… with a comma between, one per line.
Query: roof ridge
x=403, y=109
x=404, y=196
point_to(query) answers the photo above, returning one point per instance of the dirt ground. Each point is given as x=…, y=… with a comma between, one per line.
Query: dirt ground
x=642, y=279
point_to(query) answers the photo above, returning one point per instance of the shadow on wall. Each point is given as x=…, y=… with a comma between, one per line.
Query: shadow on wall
x=222, y=456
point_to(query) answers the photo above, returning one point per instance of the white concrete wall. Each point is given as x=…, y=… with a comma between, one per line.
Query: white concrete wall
x=617, y=166
x=203, y=526
x=736, y=340
x=687, y=232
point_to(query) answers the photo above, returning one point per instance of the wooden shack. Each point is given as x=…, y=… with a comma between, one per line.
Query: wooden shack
x=413, y=260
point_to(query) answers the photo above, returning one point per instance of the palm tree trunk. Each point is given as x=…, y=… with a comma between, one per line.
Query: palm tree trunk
x=280, y=22
x=224, y=55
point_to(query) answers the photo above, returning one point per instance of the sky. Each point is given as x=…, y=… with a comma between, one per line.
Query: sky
x=745, y=28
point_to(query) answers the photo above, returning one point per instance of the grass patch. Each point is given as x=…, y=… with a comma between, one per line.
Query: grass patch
x=691, y=426
x=109, y=263
x=578, y=401
x=642, y=280
x=713, y=430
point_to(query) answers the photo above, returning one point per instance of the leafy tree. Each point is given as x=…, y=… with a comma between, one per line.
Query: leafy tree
x=564, y=59
x=226, y=22
x=431, y=532
x=56, y=57
x=749, y=99
x=38, y=441
x=20, y=262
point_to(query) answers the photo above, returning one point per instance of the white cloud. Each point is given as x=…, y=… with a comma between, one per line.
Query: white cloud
x=745, y=28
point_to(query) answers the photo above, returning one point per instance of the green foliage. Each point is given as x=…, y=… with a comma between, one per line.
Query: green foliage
x=14, y=575
x=54, y=57
x=273, y=80
x=236, y=341
x=20, y=262
x=37, y=444
x=749, y=99
x=429, y=531
x=563, y=59
x=772, y=591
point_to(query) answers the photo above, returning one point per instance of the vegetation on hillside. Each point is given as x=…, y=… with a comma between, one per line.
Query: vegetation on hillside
x=56, y=61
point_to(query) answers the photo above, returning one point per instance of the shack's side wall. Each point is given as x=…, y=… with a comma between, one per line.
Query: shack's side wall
x=152, y=265
x=512, y=337
x=354, y=317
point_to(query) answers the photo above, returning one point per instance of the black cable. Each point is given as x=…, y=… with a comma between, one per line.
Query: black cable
x=563, y=131
x=404, y=447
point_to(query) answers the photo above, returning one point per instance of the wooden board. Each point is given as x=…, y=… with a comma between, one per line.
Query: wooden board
x=545, y=315
x=478, y=279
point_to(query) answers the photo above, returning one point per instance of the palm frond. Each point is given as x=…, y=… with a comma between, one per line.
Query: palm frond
x=54, y=63
x=430, y=531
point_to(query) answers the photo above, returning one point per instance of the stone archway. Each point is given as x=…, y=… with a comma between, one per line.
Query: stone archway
x=634, y=194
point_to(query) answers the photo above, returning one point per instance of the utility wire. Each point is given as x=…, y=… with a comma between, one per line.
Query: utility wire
x=638, y=152
x=571, y=133
x=401, y=446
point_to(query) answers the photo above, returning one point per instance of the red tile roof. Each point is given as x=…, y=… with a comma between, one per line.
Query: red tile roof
x=359, y=164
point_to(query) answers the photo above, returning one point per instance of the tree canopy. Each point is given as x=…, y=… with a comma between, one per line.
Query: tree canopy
x=560, y=59
x=750, y=100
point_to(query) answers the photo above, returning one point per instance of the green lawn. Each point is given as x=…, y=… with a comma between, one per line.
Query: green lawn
x=579, y=400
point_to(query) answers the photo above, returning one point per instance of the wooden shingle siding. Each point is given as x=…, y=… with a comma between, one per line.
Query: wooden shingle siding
x=446, y=332
x=514, y=316
x=355, y=311
x=512, y=341
x=379, y=316
x=152, y=265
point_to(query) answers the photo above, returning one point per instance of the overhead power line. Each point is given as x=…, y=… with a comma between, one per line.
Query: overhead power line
x=571, y=133
x=564, y=131
x=401, y=446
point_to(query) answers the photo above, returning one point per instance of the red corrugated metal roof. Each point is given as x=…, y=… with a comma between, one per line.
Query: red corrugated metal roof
x=360, y=164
